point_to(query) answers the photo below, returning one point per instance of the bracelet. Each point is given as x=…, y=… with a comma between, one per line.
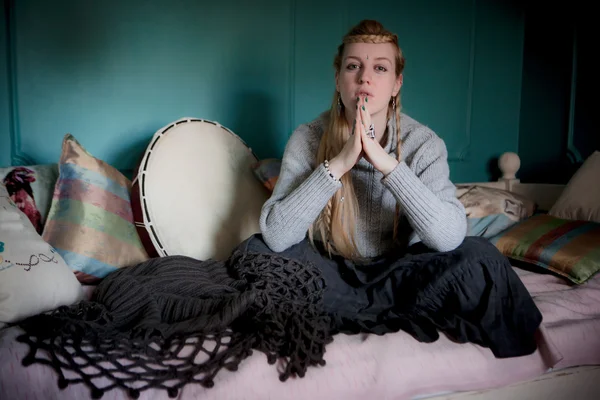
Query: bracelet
x=326, y=164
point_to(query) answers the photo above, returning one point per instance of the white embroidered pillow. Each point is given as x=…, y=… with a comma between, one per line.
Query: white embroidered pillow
x=33, y=277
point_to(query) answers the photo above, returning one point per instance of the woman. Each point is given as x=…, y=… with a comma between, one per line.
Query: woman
x=364, y=195
x=352, y=189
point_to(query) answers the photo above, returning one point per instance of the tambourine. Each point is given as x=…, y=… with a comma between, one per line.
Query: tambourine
x=194, y=193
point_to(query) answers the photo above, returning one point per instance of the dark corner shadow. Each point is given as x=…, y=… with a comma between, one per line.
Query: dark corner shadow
x=493, y=169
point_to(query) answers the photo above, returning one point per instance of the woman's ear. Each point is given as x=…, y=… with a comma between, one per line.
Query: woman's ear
x=398, y=84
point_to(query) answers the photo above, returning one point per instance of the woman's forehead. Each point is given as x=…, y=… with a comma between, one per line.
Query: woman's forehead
x=370, y=50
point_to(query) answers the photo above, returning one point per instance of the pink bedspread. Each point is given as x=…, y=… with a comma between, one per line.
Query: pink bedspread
x=393, y=366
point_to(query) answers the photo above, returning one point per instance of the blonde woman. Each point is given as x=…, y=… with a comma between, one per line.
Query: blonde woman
x=350, y=190
x=364, y=193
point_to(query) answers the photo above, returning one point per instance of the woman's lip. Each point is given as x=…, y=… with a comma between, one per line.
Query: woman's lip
x=364, y=94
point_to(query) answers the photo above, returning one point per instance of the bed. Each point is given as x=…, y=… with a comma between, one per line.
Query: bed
x=395, y=366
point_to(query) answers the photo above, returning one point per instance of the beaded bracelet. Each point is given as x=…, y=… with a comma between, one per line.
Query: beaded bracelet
x=326, y=164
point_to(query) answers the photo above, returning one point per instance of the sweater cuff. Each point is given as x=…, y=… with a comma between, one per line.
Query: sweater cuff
x=309, y=199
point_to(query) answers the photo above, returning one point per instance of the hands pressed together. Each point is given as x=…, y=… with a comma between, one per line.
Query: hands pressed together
x=360, y=144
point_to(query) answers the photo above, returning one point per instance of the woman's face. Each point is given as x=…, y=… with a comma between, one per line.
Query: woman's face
x=368, y=69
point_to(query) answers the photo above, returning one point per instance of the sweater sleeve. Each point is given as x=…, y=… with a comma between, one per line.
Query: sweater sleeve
x=301, y=193
x=428, y=197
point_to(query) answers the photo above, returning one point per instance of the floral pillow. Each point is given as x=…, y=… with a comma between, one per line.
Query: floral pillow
x=491, y=211
x=30, y=188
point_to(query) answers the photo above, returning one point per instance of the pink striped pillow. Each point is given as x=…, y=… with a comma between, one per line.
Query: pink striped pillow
x=90, y=222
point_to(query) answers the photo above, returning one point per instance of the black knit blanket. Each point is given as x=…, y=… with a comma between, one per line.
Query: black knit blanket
x=175, y=320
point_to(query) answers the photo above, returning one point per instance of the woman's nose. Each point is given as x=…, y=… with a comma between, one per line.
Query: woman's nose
x=364, y=77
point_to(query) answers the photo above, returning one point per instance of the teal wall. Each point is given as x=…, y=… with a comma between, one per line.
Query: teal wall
x=5, y=142
x=112, y=72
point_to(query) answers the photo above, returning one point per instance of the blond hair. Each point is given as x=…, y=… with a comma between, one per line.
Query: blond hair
x=337, y=222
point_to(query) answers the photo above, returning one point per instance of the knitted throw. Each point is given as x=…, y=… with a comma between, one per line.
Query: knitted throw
x=175, y=320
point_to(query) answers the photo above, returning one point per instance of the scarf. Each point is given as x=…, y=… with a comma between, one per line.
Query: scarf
x=175, y=320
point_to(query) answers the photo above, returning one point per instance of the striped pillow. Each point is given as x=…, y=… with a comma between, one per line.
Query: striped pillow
x=567, y=247
x=90, y=222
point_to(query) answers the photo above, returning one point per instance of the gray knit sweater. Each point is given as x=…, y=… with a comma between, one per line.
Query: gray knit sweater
x=420, y=184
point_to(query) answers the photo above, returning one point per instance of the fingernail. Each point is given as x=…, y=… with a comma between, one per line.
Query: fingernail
x=366, y=99
x=357, y=99
x=363, y=107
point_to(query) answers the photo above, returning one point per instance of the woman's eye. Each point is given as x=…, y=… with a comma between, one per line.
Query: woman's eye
x=352, y=66
x=381, y=69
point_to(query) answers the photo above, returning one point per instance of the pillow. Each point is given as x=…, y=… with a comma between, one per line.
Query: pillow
x=267, y=172
x=33, y=277
x=566, y=247
x=580, y=200
x=30, y=188
x=491, y=211
x=90, y=222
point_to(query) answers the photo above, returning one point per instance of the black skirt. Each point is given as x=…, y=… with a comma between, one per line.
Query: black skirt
x=471, y=294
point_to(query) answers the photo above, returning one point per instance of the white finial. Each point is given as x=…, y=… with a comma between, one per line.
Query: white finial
x=509, y=163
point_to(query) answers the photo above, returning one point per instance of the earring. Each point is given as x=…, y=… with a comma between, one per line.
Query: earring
x=339, y=105
x=393, y=103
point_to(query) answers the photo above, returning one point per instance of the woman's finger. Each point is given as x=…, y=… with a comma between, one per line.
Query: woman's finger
x=366, y=118
x=363, y=128
x=357, y=125
x=358, y=114
x=365, y=109
x=361, y=107
x=364, y=137
x=356, y=141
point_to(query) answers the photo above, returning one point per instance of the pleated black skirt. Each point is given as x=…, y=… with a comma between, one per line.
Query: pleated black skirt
x=472, y=294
